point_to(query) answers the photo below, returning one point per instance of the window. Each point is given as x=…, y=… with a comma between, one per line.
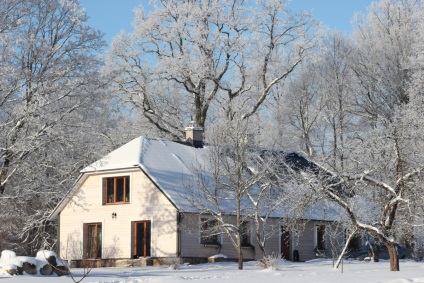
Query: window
x=245, y=234
x=320, y=237
x=116, y=190
x=93, y=240
x=208, y=231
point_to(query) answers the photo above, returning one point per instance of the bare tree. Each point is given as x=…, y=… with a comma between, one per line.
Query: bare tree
x=50, y=90
x=379, y=190
x=219, y=188
x=298, y=114
x=187, y=59
x=384, y=39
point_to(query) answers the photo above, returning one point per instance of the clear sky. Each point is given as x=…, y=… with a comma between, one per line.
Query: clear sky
x=112, y=16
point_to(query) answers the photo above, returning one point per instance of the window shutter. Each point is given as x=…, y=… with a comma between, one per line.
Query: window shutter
x=104, y=191
x=85, y=241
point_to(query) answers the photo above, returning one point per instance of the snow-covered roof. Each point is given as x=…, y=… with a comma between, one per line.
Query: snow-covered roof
x=172, y=166
x=167, y=163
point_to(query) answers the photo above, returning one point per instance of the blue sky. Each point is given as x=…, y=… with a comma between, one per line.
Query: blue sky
x=112, y=16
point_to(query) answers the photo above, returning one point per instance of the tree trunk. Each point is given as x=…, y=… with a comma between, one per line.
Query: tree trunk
x=394, y=257
x=376, y=253
x=240, y=258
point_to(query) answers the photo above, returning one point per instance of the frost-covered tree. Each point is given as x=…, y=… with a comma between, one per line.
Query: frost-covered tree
x=314, y=114
x=221, y=185
x=336, y=94
x=379, y=181
x=380, y=187
x=384, y=38
x=48, y=67
x=242, y=187
x=50, y=92
x=187, y=59
x=297, y=117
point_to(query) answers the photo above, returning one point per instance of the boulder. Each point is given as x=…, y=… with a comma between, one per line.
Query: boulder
x=11, y=269
x=46, y=270
x=52, y=260
x=61, y=270
x=29, y=268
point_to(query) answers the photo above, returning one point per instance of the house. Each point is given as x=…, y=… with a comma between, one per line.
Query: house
x=134, y=204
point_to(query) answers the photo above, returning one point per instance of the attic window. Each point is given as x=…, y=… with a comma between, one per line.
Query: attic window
x=116, y=190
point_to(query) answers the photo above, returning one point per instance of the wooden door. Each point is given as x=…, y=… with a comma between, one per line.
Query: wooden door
x=93, y=240
x=141, y=239
x=285, y=243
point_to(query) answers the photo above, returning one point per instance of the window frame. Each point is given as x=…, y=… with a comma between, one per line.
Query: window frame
x=203, y=227
x=246, y=234
x=320, y=235
x=126, y=190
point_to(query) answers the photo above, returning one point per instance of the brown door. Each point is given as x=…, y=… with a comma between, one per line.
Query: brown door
x=141, y=239
x=93, y=240
x=285, y=243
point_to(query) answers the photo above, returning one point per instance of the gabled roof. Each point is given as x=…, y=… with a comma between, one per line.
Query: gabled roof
x=167, y=163
x=171, y=166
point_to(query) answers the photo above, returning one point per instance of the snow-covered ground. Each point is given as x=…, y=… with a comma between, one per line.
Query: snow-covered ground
x=316, y=271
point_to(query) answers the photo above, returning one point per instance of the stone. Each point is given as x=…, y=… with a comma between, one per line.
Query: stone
x=61, y=270
x=12, y=271
x=52, y=260
x=46, y=270
x=29, y=268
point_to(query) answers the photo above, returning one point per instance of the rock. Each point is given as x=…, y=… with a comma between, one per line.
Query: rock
x=11, y=270
x=20, y=270
x=29, y=268
x=46, y=270
x=52, y=260
x=61, y=270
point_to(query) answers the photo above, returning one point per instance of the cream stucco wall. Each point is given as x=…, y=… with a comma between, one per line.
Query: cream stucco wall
x=146, y=203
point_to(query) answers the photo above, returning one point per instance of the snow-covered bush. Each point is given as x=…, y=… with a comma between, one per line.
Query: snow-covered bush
x=174, y=262
x=273, y=261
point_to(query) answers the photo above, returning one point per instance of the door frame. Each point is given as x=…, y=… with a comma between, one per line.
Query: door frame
x=288, y=240
x=147, y=244
x=87, y=236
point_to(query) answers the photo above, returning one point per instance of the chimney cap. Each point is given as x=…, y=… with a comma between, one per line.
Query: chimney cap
x=192, y=127
x=194, y=135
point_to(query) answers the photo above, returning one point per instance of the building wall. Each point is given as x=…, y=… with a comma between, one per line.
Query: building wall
x=146, y=203
x=304, y=244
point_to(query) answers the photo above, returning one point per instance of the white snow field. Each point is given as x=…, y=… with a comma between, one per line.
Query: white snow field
x=316, y=271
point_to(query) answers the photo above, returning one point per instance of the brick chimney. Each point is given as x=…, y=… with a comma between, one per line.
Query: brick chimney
x=194, y=135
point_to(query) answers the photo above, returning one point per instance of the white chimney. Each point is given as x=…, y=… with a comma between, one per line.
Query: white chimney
x=194, y=135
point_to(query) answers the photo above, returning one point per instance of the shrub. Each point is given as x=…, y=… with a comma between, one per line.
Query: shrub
x=272, y=261
x=174, y=262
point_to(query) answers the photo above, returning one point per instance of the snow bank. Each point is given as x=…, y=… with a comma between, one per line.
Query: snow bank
x=218, y=256
x=44, y=254
x=6, y=254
